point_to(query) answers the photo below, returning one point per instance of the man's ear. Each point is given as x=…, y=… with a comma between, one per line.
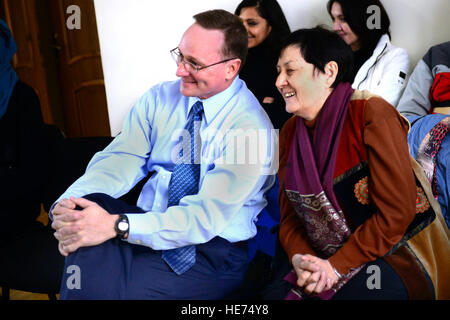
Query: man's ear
x=232, y=69
x=331, y=72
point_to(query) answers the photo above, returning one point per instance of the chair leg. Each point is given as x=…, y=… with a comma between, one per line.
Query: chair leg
x=52, y=297
x=5, y=293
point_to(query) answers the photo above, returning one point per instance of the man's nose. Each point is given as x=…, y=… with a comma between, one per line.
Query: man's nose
x=181, y=71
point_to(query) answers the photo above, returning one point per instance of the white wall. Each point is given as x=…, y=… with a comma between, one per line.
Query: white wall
x=136, y=36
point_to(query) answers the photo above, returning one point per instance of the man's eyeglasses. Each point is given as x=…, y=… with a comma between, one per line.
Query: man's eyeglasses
x=190, y=66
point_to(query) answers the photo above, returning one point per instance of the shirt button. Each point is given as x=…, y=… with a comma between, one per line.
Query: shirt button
x=163, y=177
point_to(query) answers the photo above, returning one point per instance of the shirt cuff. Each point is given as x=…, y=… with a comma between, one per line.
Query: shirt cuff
x=142, y=227
x=50, y=215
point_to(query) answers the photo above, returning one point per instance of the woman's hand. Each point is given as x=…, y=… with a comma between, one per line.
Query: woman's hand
x=268, y=100
x=314, y=274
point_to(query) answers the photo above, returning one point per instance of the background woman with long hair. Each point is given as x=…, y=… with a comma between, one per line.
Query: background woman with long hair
x=266, y=27
x=379, y=67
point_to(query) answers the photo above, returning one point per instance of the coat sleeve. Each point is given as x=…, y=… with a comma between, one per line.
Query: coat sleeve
x=415, y=100
x=396, y=68
x=392, y=188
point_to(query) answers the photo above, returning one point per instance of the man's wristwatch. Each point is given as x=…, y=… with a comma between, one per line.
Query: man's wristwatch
x=122, y=226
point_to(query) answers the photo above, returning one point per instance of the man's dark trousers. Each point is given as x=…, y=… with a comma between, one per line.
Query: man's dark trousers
x=117, y=269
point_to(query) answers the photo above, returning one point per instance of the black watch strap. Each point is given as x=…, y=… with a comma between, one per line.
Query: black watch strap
x=122, y=226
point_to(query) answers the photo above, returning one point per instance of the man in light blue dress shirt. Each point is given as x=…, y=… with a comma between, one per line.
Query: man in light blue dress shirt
x=238, y=163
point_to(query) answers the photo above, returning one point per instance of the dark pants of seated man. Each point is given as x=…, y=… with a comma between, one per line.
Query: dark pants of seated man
x=117, y=269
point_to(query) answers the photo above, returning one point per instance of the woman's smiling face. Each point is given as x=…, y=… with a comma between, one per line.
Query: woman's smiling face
x=257, y=27
x=302, y=86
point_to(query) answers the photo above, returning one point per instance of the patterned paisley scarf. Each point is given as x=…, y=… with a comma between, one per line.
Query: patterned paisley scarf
x=429, y=148
x=309, y=183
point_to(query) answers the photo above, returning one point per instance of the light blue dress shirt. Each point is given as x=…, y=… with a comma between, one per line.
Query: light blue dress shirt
x=239, y=160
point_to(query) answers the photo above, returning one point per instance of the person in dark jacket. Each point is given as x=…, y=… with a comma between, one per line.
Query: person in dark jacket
x=428, y=88
x=266, y=27
x=28, y=251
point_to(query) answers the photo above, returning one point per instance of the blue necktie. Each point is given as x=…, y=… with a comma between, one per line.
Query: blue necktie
x=184, y=181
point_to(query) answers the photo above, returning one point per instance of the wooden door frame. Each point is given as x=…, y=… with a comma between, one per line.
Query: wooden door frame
x=80, y=69
x=72, y=87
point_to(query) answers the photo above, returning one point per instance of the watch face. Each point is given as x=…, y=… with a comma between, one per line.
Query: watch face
x=123, y=226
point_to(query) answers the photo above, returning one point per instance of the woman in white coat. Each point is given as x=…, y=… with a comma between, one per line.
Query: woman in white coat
x=379, y=67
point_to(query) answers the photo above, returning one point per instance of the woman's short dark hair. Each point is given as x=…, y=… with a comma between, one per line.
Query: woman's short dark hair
x=319, y=46
x=271, y=11
x=356, y=15
x=235, y=34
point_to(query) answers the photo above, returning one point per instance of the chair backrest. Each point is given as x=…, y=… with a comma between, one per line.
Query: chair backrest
x=72, y=156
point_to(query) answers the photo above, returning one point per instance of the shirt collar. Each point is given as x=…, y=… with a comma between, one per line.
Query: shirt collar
x=214, y=104
x=382, y=43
